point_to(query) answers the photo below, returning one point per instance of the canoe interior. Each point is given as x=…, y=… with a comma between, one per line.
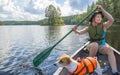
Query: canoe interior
x=84, y=53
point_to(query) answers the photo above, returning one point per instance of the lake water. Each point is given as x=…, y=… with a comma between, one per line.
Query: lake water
x=20, y=44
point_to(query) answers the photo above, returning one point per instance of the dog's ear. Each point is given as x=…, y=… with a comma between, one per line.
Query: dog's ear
x=65, y=55
x=65, y=60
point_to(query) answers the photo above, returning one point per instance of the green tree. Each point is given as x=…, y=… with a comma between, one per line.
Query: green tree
x=112, y=6
x=54, y=15
x=0, y=22
x=116, y=10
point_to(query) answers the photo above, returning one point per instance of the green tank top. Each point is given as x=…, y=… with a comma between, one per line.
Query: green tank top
x=95, y=33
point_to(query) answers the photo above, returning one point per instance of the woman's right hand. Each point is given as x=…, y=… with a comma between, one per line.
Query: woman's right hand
x=74, y=28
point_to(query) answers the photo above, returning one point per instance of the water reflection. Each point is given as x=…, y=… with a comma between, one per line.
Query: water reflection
x=53, y=34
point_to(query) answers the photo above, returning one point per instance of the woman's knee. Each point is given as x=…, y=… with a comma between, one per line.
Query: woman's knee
x=94, y=44
x=109, y=50
x=93, y=48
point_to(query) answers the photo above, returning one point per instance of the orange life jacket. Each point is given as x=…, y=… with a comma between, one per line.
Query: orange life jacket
x=85, y=66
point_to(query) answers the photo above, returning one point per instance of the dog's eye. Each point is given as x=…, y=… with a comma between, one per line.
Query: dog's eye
x=61, y=61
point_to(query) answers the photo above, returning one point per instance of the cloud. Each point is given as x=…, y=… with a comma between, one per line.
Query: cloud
x=34, y=9
x=16, y=10
x=31, y=7
x=81, y=4
x=65, y=8
x=72, y=7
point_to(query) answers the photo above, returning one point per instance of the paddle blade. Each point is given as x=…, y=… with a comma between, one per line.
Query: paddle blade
x=42, y=56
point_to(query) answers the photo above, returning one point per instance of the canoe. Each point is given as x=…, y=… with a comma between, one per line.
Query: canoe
x=83, y=52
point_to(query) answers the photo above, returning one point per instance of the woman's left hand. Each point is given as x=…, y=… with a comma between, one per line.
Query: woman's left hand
x=99, y=7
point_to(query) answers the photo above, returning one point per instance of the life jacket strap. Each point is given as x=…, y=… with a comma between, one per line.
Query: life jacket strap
x=91, y=63
x=93, y=40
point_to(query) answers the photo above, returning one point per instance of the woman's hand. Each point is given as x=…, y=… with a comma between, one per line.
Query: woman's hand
x=99, y=7
x=74, y=28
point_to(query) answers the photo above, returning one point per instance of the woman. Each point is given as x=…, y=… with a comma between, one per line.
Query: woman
x=97, y=32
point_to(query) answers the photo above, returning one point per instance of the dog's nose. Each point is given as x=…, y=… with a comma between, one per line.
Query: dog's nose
x=54, y=64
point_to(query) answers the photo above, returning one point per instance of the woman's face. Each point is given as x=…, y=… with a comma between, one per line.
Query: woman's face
x=98, y=18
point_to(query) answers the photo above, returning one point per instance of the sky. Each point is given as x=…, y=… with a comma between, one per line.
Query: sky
x=34, y=9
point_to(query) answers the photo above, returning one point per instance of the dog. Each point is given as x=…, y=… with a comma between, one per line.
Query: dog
x=79, y=67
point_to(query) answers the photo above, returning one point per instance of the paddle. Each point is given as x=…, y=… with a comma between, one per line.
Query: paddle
x=45, y=53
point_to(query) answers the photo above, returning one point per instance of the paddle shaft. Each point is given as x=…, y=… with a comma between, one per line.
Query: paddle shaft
x=44, y=54
x=76, y=25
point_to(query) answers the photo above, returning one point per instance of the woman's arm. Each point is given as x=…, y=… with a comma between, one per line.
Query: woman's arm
x=107, y=15
x=84, y=30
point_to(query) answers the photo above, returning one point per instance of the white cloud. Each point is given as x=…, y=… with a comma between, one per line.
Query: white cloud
x=15, y=10
x=67, y=9
x=3, y=1
x=9, y=7
x=3, y=15
x=34, y=9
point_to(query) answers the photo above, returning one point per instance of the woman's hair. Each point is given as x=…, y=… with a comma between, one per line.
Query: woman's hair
x=93, y=16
